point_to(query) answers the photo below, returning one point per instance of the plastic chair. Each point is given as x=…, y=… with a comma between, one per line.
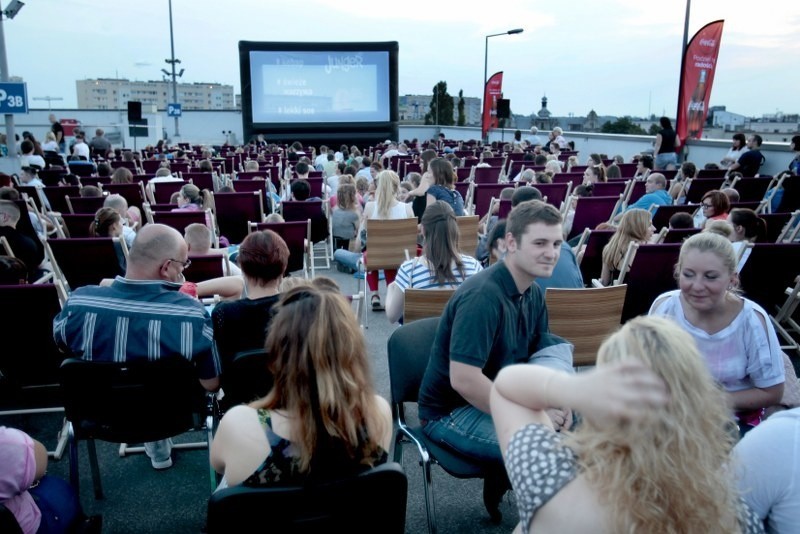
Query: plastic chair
x=585, y=317
x=372, y=501
x=131, y=402
x=30, y=359
x=408, y=352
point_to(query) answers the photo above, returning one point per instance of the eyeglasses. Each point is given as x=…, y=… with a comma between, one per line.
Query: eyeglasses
x=707, y=205
x=185, y=264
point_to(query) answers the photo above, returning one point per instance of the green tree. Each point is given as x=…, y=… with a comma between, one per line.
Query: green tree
x=462, y=120
x=623, y=125
x=441, y=111
x=654, y=129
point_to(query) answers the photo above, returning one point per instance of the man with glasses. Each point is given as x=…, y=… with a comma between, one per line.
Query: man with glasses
x=143, y=316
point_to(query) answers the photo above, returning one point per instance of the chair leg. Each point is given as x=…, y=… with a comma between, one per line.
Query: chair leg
x=63, y=437
x=430, y=504
x=74, y=475
x=367, y=303
x=98, y=485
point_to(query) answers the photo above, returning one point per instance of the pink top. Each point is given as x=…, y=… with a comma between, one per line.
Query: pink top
x=17, y=473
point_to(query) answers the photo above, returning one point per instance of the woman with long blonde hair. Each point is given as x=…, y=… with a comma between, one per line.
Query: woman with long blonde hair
x=643, y=459
x=322, y=419
x=635, y=226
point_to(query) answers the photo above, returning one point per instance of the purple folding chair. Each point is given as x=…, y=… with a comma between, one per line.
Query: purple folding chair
x=556, y=193
x=679, y=235
x=487, y=175
x=295, y=234
x=77, y=224
x=752, y=189
x=592, y=262
x=651, y=273
x=591, y=211
x=133, y=193
x=664, y=213
x=86, y=261
x=700, y=186
x=179, y=219
x=235, y=211
x=483, y=194
x=770, y=269
x=84, y=204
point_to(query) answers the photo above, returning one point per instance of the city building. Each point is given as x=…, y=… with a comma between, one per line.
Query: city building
x=114, y=93
x=412, y=108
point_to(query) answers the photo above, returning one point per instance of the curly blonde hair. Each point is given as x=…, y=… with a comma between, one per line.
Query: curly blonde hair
x=670, y=472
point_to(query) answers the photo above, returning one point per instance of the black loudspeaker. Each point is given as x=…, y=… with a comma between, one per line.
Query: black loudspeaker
x=134, y=111
x=503, y=108
x=137, y=127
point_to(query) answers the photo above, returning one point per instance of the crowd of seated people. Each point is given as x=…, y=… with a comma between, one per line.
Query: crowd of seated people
x=636, y=400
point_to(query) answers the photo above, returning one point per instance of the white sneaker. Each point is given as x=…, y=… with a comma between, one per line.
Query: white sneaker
x=161, y=449
x=164, y=464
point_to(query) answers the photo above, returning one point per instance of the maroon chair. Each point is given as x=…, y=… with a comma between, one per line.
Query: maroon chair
x=205, y=267
x=487, y=175
x=316, y=186
x=203, y=180
x=627, y=170
x=556, y=193
x=56, y=196
x=312, y=210
x=700, y=186
x=775, y=223
x=637, y=191
x=791, y=195
x=97, y=181
x=770, y=269
x=609, y=189
x=77, y=224
x=651, y=273
x=504, y=209
x=592, y=262
x=133, y=193
x=295, y=234
x=679, y=235
x=664, y=213
x=483, y=194
x=87, y=261
x=84, y=204
x=711, y=173
x=235, y=211
x=163, y=191
x=179, y=219
x=591, y=211
x=130, y=165
x=462, y=173
x=150, y=166
x=250, y=175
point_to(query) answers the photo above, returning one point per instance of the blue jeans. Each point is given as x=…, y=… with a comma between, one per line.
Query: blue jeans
x=666, y=158
x=468, y=431
x=58, y=503
x=347, y=258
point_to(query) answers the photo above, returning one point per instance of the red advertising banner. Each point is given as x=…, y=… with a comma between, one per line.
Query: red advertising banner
x=697, y=77
x=492, y=91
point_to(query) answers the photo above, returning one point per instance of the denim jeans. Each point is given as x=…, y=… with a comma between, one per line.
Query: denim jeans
x=468, y=431
x=159, y=450
x=666, y=158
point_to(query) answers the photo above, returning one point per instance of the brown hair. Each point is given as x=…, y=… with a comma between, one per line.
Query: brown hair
x=104, y=219
x=441, y=241
x=263, y=256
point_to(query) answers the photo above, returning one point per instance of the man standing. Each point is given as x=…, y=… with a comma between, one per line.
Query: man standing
x=58, y=131
x=99, y=144
x=495, y=318
x=143, y=316
x=751, y=161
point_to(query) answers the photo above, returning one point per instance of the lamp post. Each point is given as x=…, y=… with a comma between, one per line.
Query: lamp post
x=173, y=62
x=49, y=100
x=486, y=73
x=11, y=144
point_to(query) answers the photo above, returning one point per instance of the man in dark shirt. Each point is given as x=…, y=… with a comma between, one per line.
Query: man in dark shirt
x=58, y=131
x=495, y=318
x=23, y=247
x=751, y=161
x=99, y=145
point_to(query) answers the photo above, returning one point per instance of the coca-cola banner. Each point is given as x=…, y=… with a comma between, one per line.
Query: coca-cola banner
x=697, y=78
x=492, y=91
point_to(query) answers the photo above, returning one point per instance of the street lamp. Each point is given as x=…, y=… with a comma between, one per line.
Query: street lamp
x=173, y=62
x=486, y=73
x=10, y=12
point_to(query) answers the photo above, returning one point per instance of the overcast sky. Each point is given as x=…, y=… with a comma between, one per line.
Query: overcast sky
x=618, y=57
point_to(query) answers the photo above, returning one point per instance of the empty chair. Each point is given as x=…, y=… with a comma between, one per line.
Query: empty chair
x=314, y=211
x=483, y=194
x=556, y=193
x=697, y=187
x=585, y=317
x=56, y=197
x=84, y=204
x=467, y=234
x=651, y=273
x=86, y=261
x=75, y=224
x=130, y=402
x=487, y=175
x=235, y=211
x=374, y=500
x=591, y=262
x=591, y=211
x=179, y=219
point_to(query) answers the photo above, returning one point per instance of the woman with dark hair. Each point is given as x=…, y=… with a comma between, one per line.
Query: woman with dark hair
x=108, y=223
x=643, y=168
x=121, y=175
x=714, y=206
x=443, y=188
x=594, y=173
x=322, y=419
x=242, y=324
x=748, y=227
x=667, y=142
x=738, y=148
x=441, y=264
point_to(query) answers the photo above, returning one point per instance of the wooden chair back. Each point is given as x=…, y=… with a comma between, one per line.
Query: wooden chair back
x=468, y=234
x=585, y=317
x=423, y=303
x=389, y=242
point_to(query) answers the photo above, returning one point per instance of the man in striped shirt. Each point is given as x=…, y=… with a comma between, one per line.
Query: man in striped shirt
x=143, y=316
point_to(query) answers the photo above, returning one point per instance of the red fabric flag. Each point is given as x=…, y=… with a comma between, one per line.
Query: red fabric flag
x=492, y=91
x=697, y=77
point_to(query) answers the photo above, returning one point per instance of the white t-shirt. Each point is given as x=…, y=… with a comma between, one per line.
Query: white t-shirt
x=743, y=355
x=768, y=461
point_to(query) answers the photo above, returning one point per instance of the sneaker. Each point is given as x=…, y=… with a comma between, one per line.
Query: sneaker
x=376, y=303
x=160, y=449
x=161, y=465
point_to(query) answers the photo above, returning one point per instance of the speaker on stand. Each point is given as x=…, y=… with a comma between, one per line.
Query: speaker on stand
x=137, y=126
x=503, y=113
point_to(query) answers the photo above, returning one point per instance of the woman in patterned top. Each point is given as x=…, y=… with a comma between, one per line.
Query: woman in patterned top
x=651, y=454
x=322, y=419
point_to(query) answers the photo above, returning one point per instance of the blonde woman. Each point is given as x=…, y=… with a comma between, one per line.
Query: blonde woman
x=635, y=226
x=643, y=460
